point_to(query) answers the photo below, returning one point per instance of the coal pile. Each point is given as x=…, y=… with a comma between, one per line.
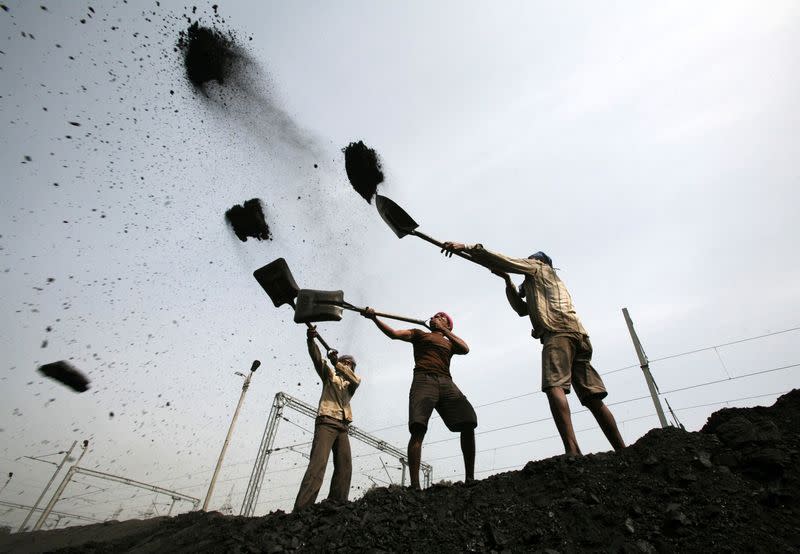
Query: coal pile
x=734, y=486
x=248, y=220
x=363, y=169
x=66, y=374
x=208, y=54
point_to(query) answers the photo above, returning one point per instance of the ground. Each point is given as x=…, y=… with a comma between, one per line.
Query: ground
x=734, y=486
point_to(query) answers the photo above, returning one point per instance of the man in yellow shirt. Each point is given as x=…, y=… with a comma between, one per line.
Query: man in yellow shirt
x=339, y=384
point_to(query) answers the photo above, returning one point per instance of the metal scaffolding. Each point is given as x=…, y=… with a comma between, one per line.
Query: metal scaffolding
x=54, y=512
x=175, y=495
x=283, y=400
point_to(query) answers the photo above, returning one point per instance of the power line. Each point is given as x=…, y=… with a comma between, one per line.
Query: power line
x=726, y=344
x=732, y=400
x=365, y=472
x=547, y=418
x=732, y=378
x=593, y=426
x=632, y=366
x=507, y=399
x=584, y=410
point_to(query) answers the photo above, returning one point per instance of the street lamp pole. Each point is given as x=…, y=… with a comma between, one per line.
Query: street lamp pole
x=246, y=384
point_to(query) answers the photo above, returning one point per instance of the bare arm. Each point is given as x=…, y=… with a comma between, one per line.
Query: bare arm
x=406, y=335
x=517, y=303
x=459, y=345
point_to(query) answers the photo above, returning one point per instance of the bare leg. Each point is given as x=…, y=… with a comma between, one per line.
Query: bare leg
x=607, y=422
x=415, y=455
x=559, y=407
x=468, y=450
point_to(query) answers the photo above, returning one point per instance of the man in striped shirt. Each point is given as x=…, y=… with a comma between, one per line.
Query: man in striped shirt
x=566, y=349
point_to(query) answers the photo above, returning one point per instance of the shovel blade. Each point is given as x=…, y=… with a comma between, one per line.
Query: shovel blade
x=277, y=281
x=395, y=217
x=318, y=305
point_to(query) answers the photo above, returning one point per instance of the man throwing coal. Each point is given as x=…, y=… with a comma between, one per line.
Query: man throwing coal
x=432, y=388
x=330, y=430
x=566, y=350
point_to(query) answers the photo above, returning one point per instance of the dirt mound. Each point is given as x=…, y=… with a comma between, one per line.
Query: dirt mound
x=732, y=487
x=363, y=169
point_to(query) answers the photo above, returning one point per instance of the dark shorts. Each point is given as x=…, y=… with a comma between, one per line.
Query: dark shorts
x=566, y=361
x=431, y=391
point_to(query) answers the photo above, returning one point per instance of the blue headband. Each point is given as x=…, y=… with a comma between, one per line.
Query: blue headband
x=542, y=257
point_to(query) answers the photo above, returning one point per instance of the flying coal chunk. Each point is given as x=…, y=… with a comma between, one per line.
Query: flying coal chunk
x=248, y=220
x=207, y=54
x=66, y=374
x=363, y=169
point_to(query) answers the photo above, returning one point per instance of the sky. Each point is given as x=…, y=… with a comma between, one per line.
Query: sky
x=651, y=151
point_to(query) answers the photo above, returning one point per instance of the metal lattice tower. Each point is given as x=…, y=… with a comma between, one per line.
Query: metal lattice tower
x=227, y=507
x=283, y=400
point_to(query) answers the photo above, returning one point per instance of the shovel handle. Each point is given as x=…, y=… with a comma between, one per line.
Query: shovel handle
x=319, y=337
x=432, y=240
x=348, y=306
x=394, y=316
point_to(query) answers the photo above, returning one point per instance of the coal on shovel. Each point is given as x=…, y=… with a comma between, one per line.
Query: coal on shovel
x=327, y=305
x=403, y=224
x=277, y=281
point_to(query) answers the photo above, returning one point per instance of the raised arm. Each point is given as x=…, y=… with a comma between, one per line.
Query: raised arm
x=349, y=375
x=517, y=303
x=406, y=335
x=491, y=260
x=320, y=366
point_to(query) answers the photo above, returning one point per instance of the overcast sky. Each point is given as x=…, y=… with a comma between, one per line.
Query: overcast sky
x=651, y=151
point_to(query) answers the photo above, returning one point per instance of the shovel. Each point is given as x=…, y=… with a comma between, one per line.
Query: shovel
x=327, y=305
x=276, y=279
x=402, y=224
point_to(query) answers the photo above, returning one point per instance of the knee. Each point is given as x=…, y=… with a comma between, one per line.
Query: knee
x=594, y=404
x=555, y=394
x=417, y=432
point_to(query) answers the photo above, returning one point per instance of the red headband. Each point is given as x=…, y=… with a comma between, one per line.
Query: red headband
x=448, y=318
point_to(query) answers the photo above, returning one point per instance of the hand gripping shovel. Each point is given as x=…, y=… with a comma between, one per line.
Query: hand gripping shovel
x=277, y=281
x=402, y=224
x=327, y=305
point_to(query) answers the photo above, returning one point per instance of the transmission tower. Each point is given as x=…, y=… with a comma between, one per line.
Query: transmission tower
x=283, y=400
x=227, y=507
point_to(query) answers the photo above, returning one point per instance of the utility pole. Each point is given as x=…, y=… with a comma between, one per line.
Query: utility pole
x=50, y=482
x=61, y=487
x=645, y=365
x=246, y=384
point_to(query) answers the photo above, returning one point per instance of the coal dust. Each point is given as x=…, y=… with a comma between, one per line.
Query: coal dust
x=363, y=169
x=234, y=84
x=247, y=220
x=208, y=54
x=66, y=374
